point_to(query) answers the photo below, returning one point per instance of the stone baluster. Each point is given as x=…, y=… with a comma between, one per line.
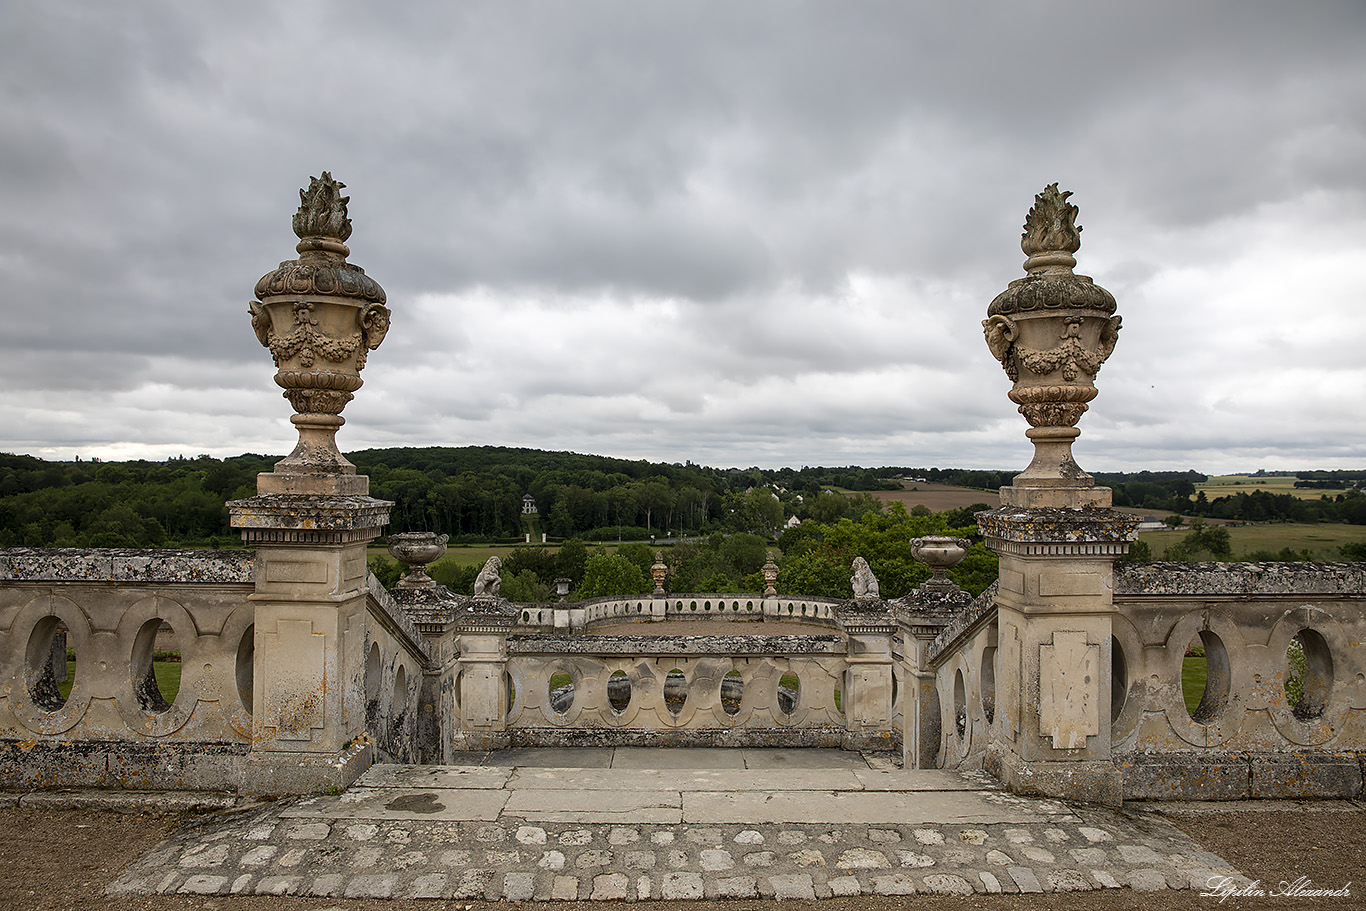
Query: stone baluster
x=1055, y=535
x=312, y=516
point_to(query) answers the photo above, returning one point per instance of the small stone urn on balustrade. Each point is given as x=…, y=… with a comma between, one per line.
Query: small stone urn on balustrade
x=320, y=316
x=1051, y=331
x=416, y=549
x=940, y=553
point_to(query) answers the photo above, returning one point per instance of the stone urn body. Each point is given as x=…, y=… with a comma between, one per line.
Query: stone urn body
x=940, y=553
x=416, y=549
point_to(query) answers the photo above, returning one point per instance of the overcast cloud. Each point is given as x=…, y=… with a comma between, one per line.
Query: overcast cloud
x=759, y=233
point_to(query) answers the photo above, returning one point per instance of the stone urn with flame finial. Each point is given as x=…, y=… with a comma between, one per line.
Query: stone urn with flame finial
x=1052, y=330
x=320, y=316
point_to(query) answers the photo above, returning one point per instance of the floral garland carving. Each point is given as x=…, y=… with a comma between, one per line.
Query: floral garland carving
x=1071, y=355
x=305, y=341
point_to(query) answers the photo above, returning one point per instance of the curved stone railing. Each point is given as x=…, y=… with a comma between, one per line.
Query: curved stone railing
x=677, y=690
x=582, y=615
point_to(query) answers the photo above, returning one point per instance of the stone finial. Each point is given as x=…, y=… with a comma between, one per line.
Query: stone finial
x=1051, y=233
x=1051, y=331
x=322, y=210
x=487, y=583
x=770, y=571
x=864, y=583
x=659, y=572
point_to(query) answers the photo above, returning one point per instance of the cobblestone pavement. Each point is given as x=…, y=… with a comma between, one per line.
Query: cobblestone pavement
x=650, y=824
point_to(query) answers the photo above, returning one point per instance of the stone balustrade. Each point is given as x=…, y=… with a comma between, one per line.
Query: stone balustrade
x=1247, y=737
x=114, y=612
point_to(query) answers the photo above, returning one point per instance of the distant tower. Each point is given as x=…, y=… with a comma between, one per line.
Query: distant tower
x=528, y=505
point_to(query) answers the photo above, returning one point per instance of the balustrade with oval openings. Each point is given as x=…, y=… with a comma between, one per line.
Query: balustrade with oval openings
x=987, y=681
x=156, y=666
x=1205, y=677
x=243, y=672
x=50, y=665
x=1308, y=675
x=619, y=692
x=732, y=692
x=561, y=692
x=675, y=691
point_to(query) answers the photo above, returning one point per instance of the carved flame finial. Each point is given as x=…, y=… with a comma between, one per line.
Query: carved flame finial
x=322, y=209
x=1051, y=233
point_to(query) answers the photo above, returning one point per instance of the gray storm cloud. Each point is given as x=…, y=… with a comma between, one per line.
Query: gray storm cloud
x=760, y=233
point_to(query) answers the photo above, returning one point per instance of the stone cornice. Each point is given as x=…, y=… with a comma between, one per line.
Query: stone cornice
x=71, y=564
x=1239, y=579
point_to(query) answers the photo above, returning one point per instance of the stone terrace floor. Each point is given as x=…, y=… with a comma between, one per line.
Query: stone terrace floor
x=641, y=824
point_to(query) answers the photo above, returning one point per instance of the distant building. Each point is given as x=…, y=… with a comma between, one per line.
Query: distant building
x=1151, y=523
x=793, y=522
x=528, y=505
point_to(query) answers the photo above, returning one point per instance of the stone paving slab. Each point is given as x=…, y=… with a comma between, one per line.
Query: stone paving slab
x=404, y=803
x=686, y=780
x=434, y=776
x=536, y=843
x=574, y=805
x=842, y=807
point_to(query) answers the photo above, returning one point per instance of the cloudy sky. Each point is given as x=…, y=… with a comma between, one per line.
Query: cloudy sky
x=758, y=233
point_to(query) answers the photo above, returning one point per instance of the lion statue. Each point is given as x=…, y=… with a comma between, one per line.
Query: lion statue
x=864, y=582
x=486, y=585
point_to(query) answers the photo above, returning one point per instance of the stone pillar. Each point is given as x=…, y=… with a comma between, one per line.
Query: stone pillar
x=485, y=695
x=312, y=516
x=921, y=616
x=1054, y=532
x=867, y=694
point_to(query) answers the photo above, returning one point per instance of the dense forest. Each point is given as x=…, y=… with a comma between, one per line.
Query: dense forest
x=475, y=494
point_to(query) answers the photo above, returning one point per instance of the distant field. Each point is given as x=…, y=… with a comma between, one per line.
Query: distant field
x=1322, y=541
x=937, y=497
x=1226, y=485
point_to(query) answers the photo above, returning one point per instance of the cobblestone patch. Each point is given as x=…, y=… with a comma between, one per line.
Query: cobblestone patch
x=258, y=852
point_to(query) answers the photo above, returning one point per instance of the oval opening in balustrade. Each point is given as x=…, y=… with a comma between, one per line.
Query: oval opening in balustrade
x=960, y=704
x=1308, y=674
x=694, y=606
x=675, y=691
x=618, y=691
x=561, y=692
x=372, y=673
x=51, y=665
x=156, y=666
x=1119, y=679
x=1205, y=677
x=732, y=691
x=706, y=605
x=989, y=683
x=244, y=672
x=749, y=605
x=789, y=693
x=400, y=691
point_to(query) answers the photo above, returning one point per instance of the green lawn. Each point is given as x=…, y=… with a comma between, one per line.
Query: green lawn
x=1321, y=540
x=1192, y=682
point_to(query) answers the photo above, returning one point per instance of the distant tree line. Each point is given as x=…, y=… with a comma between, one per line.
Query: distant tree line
x=471, y=493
